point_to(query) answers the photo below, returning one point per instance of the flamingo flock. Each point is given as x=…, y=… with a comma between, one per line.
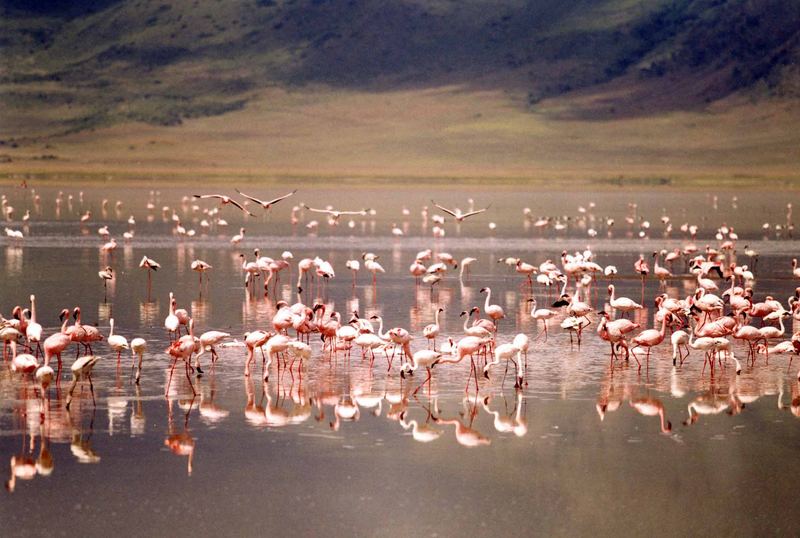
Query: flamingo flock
x=718, y=325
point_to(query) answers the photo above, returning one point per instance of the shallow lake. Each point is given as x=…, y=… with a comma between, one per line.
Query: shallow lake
x=345, y=448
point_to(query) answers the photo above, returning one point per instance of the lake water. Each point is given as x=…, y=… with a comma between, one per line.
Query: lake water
x=569, y=454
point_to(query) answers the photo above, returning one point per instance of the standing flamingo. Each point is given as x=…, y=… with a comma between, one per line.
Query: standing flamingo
x=432, y=331
x=650, y=338
x=422, y=358
x=495, y=312
x=116, y=342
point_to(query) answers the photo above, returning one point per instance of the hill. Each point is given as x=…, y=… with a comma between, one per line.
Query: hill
x=489, y=76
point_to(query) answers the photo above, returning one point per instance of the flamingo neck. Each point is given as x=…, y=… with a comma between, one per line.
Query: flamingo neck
x=488, y=297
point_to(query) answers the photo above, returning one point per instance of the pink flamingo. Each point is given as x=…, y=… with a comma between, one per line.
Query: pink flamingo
x=495, y=312
x=649, y=339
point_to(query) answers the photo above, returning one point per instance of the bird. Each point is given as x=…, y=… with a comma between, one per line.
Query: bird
x=509, y=352
x=266, y=204
x=495, y=312
x=423, y=358
x=171, y=322
x=623, y=304
x=541, y=314
x=138, y=347
x=201, y=267
x=106, y=274
x=223, y=200
x=432, y=331
x=82, y=371
x=335, y=214
x=115, y=341
x=207, y=342
x=150, y=265
x=33, y=332
x=457, y=213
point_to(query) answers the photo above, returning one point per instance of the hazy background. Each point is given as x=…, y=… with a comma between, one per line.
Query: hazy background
x=403, y=88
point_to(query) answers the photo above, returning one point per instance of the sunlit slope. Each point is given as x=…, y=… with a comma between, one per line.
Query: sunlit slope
x=409, y=87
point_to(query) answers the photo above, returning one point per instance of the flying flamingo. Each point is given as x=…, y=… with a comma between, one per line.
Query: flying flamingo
x=223, y=200
x=266, y=204
x=457, y=214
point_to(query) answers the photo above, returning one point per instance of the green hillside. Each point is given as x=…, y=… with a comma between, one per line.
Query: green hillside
x=73, y=67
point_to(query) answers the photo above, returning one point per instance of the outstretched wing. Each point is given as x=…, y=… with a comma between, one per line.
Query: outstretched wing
x=240, y=206
x=316, y=210
x=465, y=215
x=448, y=211
x=251, y=198
x=278, y=199
x=221, y=197
x=362, y=212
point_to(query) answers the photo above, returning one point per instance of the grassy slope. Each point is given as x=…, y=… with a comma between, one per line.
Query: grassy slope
x=428, y=88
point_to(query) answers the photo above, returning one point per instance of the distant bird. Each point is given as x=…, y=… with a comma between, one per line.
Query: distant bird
x=138, y=347
x=201, y=267
x=225, y=200
x=335, y=214
x=106, y=274
x=151, y=265
x=270, y=203
x=457, y=214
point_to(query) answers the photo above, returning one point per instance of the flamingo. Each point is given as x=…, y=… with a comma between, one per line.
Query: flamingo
x=373, y=267
x=33, y=332
x=266, y=204
x=661, y=273
x=82, y=371
x=677, y=339
x=650, y=338
x=423, y=358
x=115, y=341
x=224, y=200
x=150, y=265
x=623, y=304
x=541, y=314
x=432, y=331
x=56, y=343
x=495, y=312
x=106, y=275
x=457, y=214
x=200, y=267
x=207, y=342
x=138, y=347
x=795, y=269
x=355, y=267
x=171, y=322
x=509, y=352
x=467, y=346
